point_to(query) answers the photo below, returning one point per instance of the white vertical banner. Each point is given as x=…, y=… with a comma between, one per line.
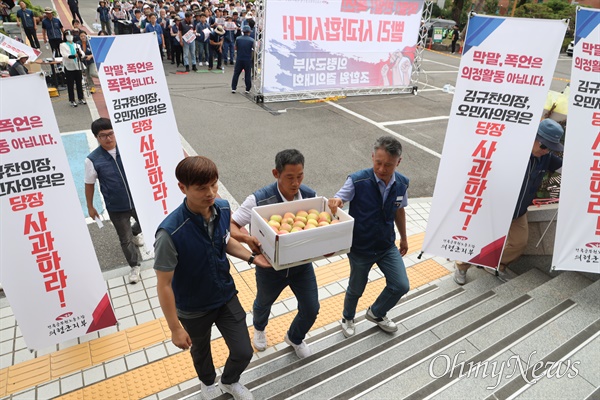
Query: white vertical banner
x=577, y=242
x=504, y=76
x=138, y=102
x=48, y=266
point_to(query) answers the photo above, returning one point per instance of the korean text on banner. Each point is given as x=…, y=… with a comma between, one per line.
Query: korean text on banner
x=577, y=243
x=48, y=266
x=339, y=44
x=504, y=76
x=139, y=105
x=14, y=47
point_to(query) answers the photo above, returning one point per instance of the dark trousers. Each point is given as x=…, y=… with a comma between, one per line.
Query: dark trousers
x=74, y=79
x=229, y=50
x=169, y=45
x=214, y=51
x=230, y=320
x=55, y=46
x=270, y=283
x=32, y=37
x=75, y=12
x=126, y=231
x=245, y=65
x=177, y=54
x=454, y=46
x=106, y=27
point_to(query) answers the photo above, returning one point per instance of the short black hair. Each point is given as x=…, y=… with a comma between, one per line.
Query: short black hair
x=196, y=170
x=289, y=156
x=251, y=23
x=390, y=144
x=101, y=124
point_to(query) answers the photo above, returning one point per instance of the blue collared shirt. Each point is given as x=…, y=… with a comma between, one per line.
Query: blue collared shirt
x=346, y=193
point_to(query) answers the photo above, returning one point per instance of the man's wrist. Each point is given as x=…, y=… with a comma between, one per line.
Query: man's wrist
x=251, y=259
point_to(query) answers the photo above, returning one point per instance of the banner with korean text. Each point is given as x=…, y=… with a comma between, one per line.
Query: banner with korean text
x=504, y=76
x=138, y=102
x=15, y=47
x=339, y=44
x=577, y=243
x=48, y=266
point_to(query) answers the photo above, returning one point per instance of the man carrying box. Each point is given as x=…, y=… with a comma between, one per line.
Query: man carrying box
x=377, y=199
x=194, y=285
x=289, y=172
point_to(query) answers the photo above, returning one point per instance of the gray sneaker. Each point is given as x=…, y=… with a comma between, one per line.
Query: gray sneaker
x=386, y=324
x=237, y=390
x=460, y=276
x=209, y=392
x=348, y=327
x=138, y=240
x=259, y=340
x=302, y=349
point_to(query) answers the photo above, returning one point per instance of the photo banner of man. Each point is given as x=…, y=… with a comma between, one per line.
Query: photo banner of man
x=139, y=106
x=339, y=44
x=48, y=266
x=577, y=242
x=503, y=81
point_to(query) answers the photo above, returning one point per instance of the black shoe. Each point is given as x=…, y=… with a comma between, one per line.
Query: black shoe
x=187, y=68
x=173, y=62
x=194, y=68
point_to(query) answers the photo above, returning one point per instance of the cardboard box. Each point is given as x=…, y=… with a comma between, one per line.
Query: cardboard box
x=293, y=249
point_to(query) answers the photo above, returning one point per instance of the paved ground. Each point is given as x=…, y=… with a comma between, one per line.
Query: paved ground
x=243, y=137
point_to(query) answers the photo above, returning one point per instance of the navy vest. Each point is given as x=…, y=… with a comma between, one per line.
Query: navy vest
x=270, y=194
x=373, y=231
x=113, y=181
x=201, y=281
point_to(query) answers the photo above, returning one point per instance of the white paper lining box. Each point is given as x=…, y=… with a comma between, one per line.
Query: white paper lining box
x=297, y=248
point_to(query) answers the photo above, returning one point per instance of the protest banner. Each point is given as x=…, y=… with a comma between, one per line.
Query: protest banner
x=577, y=242
x=48, y=266
x=504, y=76
x=14, y=47
x=339, y=44
x=137, y=98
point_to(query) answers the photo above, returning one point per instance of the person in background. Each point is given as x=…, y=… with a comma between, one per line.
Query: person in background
x=216, y=47
x=152, y=26
x=541, y=160
x=26, y=19
x=87, y=60
x=18, y=68
x=229, y=40
x=103, y=15
x=76, y=30
x=72, y=54
x=165, y=24
x=195, y=288
x=202, y=52
x=377, y=199
x=136, y=21
x=455, y=37
x=74, y=7
x=177, y=56
x=118, y=14
x=104, y=164
x=244, y=45
x=189, y=49
x=52, y=31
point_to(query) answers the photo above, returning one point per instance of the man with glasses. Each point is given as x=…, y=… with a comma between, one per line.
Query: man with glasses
x=548, y=139
x=104, y=164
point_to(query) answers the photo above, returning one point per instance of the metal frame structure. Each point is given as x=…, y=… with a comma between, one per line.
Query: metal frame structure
x=258, y=76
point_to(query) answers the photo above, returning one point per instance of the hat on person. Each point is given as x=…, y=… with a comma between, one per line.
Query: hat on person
x=246, y=29
x=177, y=18
x=21, y=55
x=48, y=10
x=249, y=14
x=220, y=31
x=549, y=134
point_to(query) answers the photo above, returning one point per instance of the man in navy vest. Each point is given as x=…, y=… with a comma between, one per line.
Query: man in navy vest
x=289, y=172
x=377, y=199
x=194, y=285
x=105, y=164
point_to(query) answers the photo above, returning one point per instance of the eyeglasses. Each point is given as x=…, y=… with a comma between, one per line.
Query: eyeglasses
x=108, y=135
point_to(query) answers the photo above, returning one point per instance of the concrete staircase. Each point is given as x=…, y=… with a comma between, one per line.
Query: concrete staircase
x=532, y=337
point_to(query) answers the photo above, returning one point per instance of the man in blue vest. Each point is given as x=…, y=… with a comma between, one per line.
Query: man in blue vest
x=377, y=199
x=104, y=164
x=289, y=173
x=195, y=288
x=26, y=19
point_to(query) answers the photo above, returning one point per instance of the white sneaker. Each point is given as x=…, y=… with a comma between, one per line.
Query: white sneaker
x=134, y=275
x=348, y=327
x=384, y=323
x=260, y=340
x=460, y=276
x=209, y=392
x=238, y=391
x=302, y=349
x=138, y=240
x=206, y=63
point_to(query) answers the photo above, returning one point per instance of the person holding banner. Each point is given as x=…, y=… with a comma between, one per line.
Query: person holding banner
x=377, y=199
x=194, y=285
x=188, y=44
x=548, y=139
x=104, y=164
x=289, y=172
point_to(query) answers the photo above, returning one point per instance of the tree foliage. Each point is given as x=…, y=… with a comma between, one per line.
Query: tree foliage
x=490, y=7
x=553, y=9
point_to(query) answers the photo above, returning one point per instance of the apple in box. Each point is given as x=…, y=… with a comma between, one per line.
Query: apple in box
x=321, y=236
